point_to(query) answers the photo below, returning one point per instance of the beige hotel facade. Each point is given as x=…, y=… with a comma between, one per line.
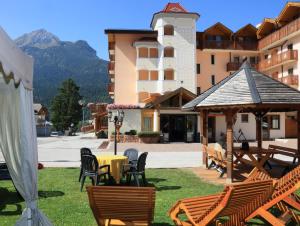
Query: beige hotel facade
x=158, y=70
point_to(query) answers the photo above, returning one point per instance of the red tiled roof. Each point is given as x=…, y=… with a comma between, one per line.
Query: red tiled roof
x=173, y=8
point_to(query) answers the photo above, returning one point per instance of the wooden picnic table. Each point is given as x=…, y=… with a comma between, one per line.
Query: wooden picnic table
x=257, y=157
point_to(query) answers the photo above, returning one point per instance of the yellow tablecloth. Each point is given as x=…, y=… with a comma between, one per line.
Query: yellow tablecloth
x=116, y=163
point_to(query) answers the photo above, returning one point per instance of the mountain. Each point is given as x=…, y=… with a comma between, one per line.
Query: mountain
x=56, y=61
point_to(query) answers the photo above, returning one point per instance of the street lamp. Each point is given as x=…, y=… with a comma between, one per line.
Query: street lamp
x=117, y=119
x=82, y=103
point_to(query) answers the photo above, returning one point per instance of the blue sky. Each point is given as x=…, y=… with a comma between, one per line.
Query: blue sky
x=72, y=20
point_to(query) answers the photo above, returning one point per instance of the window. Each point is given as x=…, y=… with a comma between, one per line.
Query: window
x=143, y=52
x=252, y=60
x=143, y=75
x=198, y=91
x=147, y=124
x=168, y=30
x=244, y=118
x=291, y=71
x=236, y=59
x=212, y=58
x=198, y=68
x=168, y=52
x=290, y=46
x=153, y=75
x=275, y=121
x=153, y=53
x=213, y=80
x=169, y=74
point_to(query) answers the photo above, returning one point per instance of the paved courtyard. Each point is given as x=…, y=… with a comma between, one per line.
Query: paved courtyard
x=64, y=151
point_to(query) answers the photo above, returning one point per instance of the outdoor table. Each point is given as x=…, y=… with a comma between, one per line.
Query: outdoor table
x=258, y=157
x=116, y=163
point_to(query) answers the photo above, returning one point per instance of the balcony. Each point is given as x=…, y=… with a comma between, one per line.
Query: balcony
x=147, y=63
x=245, y=45
x=150, y=86
x=291, y=80
x=234, y=66
x=212, y=44
x=111, y=48
x=111, y=88
x=111, y=67
x=279, y=59
x=274, y=38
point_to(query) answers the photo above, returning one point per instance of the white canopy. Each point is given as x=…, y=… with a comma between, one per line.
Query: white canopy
x=13, y=62
x=18, y=142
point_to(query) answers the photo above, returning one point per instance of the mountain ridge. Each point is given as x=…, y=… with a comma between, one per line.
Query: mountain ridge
x=56, y=61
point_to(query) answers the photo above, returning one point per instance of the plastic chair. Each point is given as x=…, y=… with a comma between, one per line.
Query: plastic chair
x=90, y=168
x=138, y=171
x=83, y=151
x=132, y=154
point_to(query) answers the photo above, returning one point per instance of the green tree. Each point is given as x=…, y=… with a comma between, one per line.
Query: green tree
x=65, y=107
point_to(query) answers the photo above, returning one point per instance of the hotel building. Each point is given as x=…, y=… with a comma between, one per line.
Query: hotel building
x=154, y=72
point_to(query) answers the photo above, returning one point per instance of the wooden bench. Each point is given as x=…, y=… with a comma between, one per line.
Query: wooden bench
x=290, y=152
x=237, y=201
x=214, y=153
x=284, y=197
x=113, y=205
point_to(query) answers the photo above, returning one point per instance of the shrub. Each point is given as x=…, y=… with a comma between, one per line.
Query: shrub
x=149, y=134
x=113, y=133
x=131, y=132
x=101, y=134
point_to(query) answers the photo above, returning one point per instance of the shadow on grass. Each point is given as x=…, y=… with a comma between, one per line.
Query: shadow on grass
x=155, y=180
x=162, y=224
x=12, y=198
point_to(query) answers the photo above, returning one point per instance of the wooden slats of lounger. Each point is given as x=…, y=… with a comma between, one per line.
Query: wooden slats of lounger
x=283, y=197
x=236, y=201
x=122, y=205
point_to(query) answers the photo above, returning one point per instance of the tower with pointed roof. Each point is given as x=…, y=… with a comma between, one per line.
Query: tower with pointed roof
x=176, y=35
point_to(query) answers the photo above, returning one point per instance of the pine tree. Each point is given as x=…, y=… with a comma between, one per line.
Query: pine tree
x=65, y=107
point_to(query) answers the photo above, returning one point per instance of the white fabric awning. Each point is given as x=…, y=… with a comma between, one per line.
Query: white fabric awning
x=15, y=64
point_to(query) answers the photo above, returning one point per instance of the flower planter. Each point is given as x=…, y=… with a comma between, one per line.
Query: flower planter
x=150, y=139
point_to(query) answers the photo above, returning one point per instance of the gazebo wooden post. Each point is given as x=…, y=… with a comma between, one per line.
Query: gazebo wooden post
x=204, y=134
x=229, y=135
x=258, y=120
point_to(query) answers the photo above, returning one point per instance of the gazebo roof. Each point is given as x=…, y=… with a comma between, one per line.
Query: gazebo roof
x=247, y=87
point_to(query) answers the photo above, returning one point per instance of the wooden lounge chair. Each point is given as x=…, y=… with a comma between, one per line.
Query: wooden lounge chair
x=236, y=202
x=284, y=197
x=122, y=205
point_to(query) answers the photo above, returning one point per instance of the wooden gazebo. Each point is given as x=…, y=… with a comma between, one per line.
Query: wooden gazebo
x=246, y=90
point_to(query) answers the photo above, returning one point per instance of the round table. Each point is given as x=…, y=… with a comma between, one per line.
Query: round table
x=116, y=163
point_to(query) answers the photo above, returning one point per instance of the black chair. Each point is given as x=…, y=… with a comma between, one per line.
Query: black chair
x=138, y=171
x=132, y=154
x=83, y=151
x=90, y=168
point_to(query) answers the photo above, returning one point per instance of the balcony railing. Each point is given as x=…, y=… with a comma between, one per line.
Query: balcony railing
x=111, y=88
x=279, y=59
x=230, y=44
x=290, y=80
x=212, y=44
x=234, y=66
x=279, y=34
x=111, y=46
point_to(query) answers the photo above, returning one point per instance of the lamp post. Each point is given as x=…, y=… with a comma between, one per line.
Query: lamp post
x=82, y=104
x=117, y=119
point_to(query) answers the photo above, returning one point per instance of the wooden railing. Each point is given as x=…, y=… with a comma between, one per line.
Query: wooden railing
x=234, y=66
x=280, y=34
x=278, y=59
x=111, y=46
x=111, y=87
x=230, y=44
x=290, y=80
x=111, y=66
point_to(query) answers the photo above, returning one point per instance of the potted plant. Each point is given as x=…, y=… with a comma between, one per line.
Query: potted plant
x=149, y=136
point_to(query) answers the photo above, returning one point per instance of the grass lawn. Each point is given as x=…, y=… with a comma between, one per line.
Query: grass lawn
x=61, y=200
